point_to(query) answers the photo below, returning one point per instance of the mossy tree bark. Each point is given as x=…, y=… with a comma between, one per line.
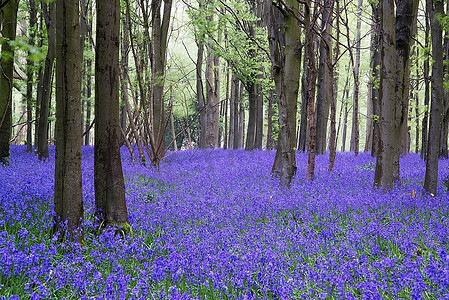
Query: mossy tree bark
x=8, y=32
x=284, y=38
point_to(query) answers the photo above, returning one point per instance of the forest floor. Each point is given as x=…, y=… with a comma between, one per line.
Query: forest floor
x=213, y=224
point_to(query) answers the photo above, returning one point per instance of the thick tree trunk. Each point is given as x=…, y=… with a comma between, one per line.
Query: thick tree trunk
x=9, y=18
x=388, y=145
x=46, y=84
x=284, y=48
x=68, y=191
x=406, y=14
x=436, y=9
x=110, y=200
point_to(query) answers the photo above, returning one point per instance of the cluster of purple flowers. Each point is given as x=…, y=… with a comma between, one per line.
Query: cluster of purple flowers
x=215, y=224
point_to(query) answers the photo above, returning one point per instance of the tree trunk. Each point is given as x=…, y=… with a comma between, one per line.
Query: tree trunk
x=68, y=191
x=416, y=88
x=200, y=94
x=46, y=84
x=302, y=143
x=436, y=9
x=284, y=47
x=445, y=114
x=426, y=70
x=236, y=99
x=251, y=131
x=384, y=174
x=258, y=139
x=9, y=14
x=212, y=105
x=406, y=14
x=159, y=34
x=333, y=91
x=233, y=113
x=110, y=200
x=375, y=76
x=324, y=89
x=30, y=74
x=270, y=144
x=355, y=133
x=226, y=105
x=311, y=82
x=241, y=135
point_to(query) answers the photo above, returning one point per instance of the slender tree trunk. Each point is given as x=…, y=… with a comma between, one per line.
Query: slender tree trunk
x=345, y=123
x=212, y=106
x=237, y=115
x=200, y=94
x=251, y=131
x=226, y=105
x=303, y=126
x=426, y=69
x=334, y=92
x=232, y=114
x=68, y=191
x=416, y=97
x=159, y=34
x=258, y=139
x=241, y=135
x=30, y=74
x=436, y=9
x=311, y=82
x=445, y=113
x=46, y=85
x=375, y=76
x=324, y=93
x=270, y=144
x=355, y=133
x=9, y=18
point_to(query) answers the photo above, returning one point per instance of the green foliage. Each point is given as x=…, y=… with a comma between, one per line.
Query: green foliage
x=35, y=54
